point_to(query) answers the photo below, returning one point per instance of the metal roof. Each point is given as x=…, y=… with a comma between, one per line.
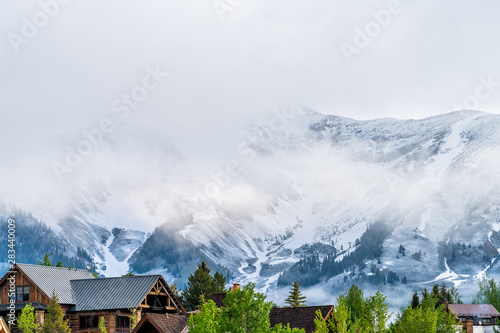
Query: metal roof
x=111, y=293
x=49, y=278
x=474, y=310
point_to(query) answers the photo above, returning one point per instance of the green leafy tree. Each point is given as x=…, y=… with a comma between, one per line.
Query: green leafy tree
x=207, y=320
x=27, y=320
x=353, y=299
x=129, y=273
x=489, y=293
x=377, y=313
x=46, y=260
x=54, y=317
x=134, y=318
x=343, y=316
x=322, y=326
x=243, y=311
x=295, y=297
x=102, y=325
x=425, y=318
x=279, y=328
x=454, y=296
x=59, y=264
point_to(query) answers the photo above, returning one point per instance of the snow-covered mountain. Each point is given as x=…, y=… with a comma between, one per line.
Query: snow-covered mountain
x=301, y=186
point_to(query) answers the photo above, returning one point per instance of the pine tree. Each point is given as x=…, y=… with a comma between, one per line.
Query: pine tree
x=425, y=294
x=200, y=282
x=46, y=260
x=219, y=283
x=415, y=301
x=54, y=318
x=295, y=297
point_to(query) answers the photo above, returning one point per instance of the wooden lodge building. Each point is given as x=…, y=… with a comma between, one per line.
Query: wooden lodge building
x=475, y=317
x=84, y=298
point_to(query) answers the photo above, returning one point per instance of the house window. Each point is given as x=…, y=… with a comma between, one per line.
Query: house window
x=22, y=294
x=122, y=324
x=89, y=322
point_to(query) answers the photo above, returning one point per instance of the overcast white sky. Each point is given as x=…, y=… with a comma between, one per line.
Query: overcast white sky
x=264, y=54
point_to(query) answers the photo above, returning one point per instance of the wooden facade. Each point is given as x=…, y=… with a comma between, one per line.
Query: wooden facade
x=35, y=294
x=155, y=297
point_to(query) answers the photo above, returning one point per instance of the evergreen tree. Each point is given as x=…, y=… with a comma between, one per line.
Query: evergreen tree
x=27, y=320
x=444, y=295
x=59, y=264
x=415, y=301
x=425, y=294
x=295, y=297
x=219, y=282
x=54, y=318
x=201, y=282
x=435, y=291
x=46, y=260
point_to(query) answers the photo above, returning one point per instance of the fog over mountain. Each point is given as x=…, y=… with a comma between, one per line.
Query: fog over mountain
x=323, y=199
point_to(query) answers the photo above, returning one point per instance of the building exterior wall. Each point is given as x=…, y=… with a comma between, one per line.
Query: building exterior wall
x=109, y=320
x=35, y=294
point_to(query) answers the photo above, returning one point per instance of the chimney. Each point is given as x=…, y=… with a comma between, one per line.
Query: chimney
x=236, y=286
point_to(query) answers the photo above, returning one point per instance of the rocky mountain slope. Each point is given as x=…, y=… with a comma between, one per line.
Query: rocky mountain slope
x=305, y=192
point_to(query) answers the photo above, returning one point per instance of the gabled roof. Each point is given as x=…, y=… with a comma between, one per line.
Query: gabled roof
x=164, y=323
x=474, y=310
x=49, y=278
x=299, y=317
x=111, y=293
